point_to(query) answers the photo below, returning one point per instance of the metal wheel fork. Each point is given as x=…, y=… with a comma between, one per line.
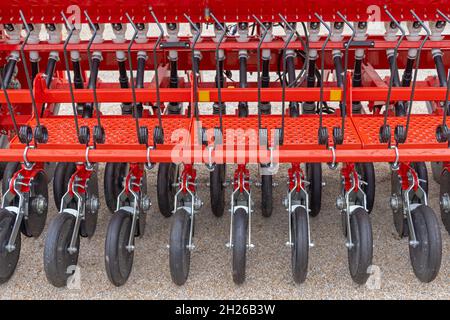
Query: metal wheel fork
x=138, y=201
x=192, y=206
x=75, y=184
x=21, y=210
x=350, y=202
x=248, y=208
x=413, y=181
x=303, y=202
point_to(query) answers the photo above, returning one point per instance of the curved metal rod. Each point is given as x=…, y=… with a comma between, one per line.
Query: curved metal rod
x=71, y=28
x=219, y=86
x=130, y=63
x=347, y=46
x=155, y=62
x=447, y=95
x=25, y=68
x=10, y=108
x=285, y=46
x=416, y=71
x=322, y=67
x=258, y=65
x=394, y=66
x=194, y=72
x=89, y=53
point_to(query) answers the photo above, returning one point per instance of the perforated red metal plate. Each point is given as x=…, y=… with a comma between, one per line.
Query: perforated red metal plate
x=421, y=133
x=301, y=132
x=120, y=131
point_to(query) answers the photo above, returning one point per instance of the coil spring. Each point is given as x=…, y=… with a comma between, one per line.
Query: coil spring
x=323, y=136
x=400, y=134
x=158, y=135
x=385, y=133
x=442, y=133
x=338, y=137
x=25, y=134
x=84, y=135
x=143, y=135
x=99, y=134
x=41, y=134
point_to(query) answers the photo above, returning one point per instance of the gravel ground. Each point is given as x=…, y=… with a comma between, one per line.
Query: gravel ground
x=268, y=264
x=268, y=270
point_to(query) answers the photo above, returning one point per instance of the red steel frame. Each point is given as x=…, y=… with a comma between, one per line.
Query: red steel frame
x=361, y=143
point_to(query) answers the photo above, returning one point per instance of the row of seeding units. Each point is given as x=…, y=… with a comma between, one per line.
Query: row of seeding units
x=329, y=105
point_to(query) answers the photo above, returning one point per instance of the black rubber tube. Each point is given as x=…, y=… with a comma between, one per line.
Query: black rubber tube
x=49, y=71
x=173, y=74
x=8, y=72
x=407, y=75
x=440, y=68
x=34, y=70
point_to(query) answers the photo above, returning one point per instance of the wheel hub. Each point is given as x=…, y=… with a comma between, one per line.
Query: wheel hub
x=445, y=203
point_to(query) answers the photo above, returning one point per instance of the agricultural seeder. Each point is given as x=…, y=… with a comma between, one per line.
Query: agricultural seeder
x=311, y=70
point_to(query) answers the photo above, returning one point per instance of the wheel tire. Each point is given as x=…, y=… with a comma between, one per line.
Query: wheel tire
x=240, y=226
x=360, y=255
x=113, y=178
x=10, y=169
x=167, y=175
x=217, y=189
x=2, y=168
x=35, y=222
x=314, y=177
x=57, y=259
x=436, y=169
x=118, y=260
x=445, y=189
x=179, y=254
x=427, y=255
x=89, y=224
x=266, y=195
x=8, y=260
x=63, y=173
x=422, y=173
x=300, y=248
x=366, y=171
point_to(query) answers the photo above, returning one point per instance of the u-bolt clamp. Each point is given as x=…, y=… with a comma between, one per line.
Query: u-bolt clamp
x=333, y=165
x=210, y=165
x=88, y=164
x=149, y=165
x=27, y=164
x=396, y=164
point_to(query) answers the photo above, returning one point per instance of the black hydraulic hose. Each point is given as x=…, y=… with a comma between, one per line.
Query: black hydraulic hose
x=407, y=75
x=77, y=75
x=173, y=74
x=394, y=73
x=50, y=71
x=123, y=75
x=357, y=74
x=140, y=81
x=311, y=76
x=339, y=70
x=265, y=77
x=8, y=72
x=357, y=82
x=290, y=67
x=219, y=76
x=243, y=105
x=440, y=68
x=34, y=70
x=400, y=109
x=88, y=109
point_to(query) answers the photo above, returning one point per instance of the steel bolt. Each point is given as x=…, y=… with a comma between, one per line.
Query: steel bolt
x=445, y=203
x=394, y=202
x=340, y=202
x=145, y=203
x=40, y=204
